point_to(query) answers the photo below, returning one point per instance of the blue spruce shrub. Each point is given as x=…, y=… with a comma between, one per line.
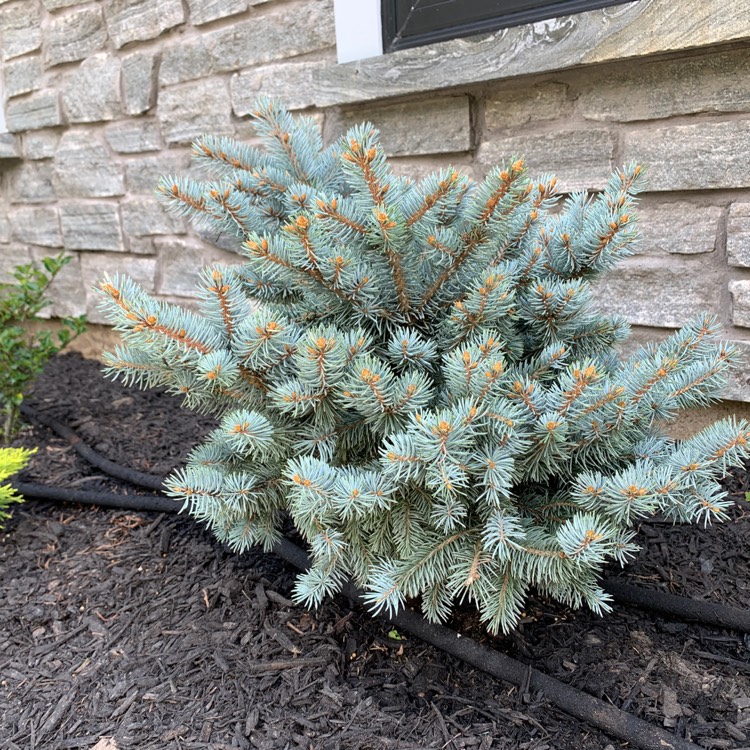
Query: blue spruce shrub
x=416, y=373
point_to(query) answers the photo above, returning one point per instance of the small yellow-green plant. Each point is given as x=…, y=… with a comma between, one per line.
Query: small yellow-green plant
x=12, y=460
x=23, y=350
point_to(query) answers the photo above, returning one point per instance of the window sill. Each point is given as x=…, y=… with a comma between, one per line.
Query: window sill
x=638, y=29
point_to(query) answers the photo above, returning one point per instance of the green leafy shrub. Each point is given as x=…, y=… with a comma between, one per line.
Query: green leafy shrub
x=24, y=350
x=12, y=460
x=417, y=374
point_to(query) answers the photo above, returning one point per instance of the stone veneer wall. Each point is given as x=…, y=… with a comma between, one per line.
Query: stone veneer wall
x=101, y=98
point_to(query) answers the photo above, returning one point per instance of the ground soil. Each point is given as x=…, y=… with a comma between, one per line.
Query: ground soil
x=142, y=628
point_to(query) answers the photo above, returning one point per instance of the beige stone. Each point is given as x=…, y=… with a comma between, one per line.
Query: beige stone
x=40, y=144
x=740, y=291
x=653, y=89
x=738, y=235
x=140, y=20
x=91, y=93
x=514, y=107
x=291, y=31
x=31, y=182
x=699, y=156
x=148, y=217
x=20, y=29
x=9, y=146
x=74, y=36
x=142, y=174
x=649, y=292
x=431, y=126
x=91, y=226
x=134, y=136
x=22, y=76
x=139, y=82
x=38, y=110
x=83, y=168
x=581, y=159
x=679, y=228
x=291, y=83
x=205, y=11
x=37, y=225
x=4, y=228
x=12, y=256
x=189, y=110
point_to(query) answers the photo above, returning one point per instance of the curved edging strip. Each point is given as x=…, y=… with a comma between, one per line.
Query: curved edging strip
x=156, y=503
x=680, y=607
x=149, y=481
x=597, y=713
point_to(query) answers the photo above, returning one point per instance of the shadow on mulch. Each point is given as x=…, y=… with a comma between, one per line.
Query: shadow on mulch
x=142, y=627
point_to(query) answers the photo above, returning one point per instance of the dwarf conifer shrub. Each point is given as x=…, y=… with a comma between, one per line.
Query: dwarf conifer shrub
x=417, y=375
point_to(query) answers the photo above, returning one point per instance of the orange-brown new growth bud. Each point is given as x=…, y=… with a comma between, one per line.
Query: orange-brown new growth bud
x=517, y=166
x=109, y=289
x=504, y=176
x=371, y=152
x=302, y=222
x=551, y=425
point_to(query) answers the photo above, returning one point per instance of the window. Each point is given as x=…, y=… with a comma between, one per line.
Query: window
x=411, y=23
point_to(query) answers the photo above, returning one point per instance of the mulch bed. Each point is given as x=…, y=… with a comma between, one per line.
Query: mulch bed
x=141, y=627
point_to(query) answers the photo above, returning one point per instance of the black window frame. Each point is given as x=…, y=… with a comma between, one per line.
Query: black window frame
x=546, y=9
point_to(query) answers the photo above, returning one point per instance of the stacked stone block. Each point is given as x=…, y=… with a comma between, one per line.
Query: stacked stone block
x=102, y=98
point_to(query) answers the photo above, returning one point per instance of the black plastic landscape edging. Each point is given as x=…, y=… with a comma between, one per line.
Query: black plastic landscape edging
x=157, y=503
x=149, y=481
x=593, y=711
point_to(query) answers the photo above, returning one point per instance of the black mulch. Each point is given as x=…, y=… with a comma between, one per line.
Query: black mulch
x=141, y=627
